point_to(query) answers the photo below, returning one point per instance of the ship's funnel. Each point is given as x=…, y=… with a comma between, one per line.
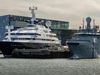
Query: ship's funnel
x=88, y=20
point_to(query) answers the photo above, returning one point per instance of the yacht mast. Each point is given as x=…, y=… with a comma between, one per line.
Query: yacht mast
x=9, y=31
x=32, y=9
x=88, y=19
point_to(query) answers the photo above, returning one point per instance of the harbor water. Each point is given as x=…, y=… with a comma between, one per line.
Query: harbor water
x=59, y=66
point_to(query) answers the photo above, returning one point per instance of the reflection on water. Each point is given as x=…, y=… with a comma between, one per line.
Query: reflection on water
x=20, y=66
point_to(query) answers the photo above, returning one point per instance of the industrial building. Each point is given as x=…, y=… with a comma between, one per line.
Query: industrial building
x=59, y=27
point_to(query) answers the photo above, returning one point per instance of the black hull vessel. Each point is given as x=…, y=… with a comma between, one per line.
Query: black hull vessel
x=29, y=49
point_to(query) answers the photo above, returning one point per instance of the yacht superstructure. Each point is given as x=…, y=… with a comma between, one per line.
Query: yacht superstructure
x=86, y=42
x=31, y=38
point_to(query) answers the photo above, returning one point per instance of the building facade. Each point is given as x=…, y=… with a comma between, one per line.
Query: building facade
x=21, y=21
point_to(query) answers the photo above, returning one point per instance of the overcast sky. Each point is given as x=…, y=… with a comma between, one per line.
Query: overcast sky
x=67, y=10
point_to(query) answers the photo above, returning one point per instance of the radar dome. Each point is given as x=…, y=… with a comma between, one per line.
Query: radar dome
x=88, y=19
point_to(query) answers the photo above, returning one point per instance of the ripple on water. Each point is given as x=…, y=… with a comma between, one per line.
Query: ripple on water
x=21, y=66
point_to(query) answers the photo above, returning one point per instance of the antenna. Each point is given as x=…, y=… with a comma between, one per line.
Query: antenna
x=93, y=22
x=83, y=23
x=32, y=9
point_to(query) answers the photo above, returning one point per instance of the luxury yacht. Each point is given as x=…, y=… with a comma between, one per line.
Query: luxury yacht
x=32, y=39
x=86, y=42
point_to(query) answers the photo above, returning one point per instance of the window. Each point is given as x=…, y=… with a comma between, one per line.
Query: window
x=24, y=34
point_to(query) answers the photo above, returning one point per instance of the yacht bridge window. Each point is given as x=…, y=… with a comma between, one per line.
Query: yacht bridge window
x=31, y=39
x=24, y=34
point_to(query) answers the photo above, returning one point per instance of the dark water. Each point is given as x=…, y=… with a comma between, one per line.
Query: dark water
x=17, y=66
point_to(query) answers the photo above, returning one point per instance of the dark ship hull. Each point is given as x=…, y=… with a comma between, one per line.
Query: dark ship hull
x=22, y=48
x=82, y=50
